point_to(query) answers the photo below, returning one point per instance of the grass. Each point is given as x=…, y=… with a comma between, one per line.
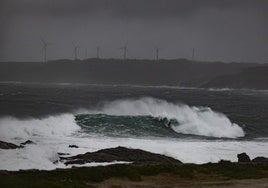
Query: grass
x=80, y=177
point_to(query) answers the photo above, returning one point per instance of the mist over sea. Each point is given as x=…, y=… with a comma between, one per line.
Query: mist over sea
x=192, y=125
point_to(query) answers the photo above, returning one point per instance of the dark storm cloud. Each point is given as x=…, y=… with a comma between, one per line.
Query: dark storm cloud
x=140, y=9
x=227, y=30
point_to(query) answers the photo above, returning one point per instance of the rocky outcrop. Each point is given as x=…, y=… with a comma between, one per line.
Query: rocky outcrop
x=260, y=160
x=6, y=145
x=23, y=144
x=119, y=154
x=243, y=158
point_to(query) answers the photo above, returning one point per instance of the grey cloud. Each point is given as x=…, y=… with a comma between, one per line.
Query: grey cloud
x=225, y=30
x=126, y=8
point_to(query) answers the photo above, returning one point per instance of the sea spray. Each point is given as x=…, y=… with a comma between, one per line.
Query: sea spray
x=13, y=129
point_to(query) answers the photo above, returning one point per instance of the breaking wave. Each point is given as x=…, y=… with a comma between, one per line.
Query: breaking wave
x=202, y=121
x=140, y=117
x=22, y=129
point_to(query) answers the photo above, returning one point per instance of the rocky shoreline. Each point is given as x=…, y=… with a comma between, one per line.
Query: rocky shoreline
x=7, y=145
x=135, y=156
x=144, y=169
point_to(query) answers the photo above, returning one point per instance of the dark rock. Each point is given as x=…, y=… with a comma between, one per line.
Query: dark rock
x=56, y=162
x=6, y=145
x=243, y=158
x=73, y=146
x=119, y=154
x=63, y=153
x=260, y=160
x=224, y=162
x=26, y=143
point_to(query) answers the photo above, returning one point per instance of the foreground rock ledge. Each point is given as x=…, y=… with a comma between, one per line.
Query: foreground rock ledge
x=6, y=145
x=136, y=156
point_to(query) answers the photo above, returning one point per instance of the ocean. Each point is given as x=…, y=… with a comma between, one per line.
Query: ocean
x=189, y=124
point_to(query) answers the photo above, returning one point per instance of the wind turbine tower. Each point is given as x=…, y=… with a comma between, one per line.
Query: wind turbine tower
x=45, y=45
x=98, y=52
x=193, y=54
x=125, y=50
x=85, y=53
x=157, y=53
x=75, y=51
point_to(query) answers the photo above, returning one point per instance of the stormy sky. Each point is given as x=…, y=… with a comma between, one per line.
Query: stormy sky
x=219, y=30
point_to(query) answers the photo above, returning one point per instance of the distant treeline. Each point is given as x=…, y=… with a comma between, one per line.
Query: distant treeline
x=179, y=72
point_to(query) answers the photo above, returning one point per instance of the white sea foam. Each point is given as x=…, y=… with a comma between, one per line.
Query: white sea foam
x=44, y=153
x=220, y=89
x=192, y=120
x=53, y=126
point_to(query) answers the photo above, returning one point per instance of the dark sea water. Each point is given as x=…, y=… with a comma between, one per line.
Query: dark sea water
x=247, y=108
x=215, y=123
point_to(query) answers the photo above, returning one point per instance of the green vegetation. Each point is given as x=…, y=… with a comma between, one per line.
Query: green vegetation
x=84, y=176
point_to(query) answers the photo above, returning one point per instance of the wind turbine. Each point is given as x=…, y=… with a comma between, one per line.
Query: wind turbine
x=193, y=54
x=125, y=50
x=45, y=45
x=75, y=50
x=157, y=53
x=85, y=53
x=98, y=52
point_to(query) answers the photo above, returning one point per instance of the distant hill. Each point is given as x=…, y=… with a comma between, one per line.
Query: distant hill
x=179, y=72
x=252, y=78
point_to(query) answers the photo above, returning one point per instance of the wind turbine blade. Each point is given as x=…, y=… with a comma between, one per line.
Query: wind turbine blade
x=75, y=46
x=43, y=41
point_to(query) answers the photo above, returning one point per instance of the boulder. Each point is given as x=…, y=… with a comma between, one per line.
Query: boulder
x=73, y=146
x=260, y=160
x=6, y=145
x=243, y=158
x=119, y=154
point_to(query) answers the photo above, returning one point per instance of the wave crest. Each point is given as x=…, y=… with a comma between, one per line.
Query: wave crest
x=201, y=121
x=53, y=126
